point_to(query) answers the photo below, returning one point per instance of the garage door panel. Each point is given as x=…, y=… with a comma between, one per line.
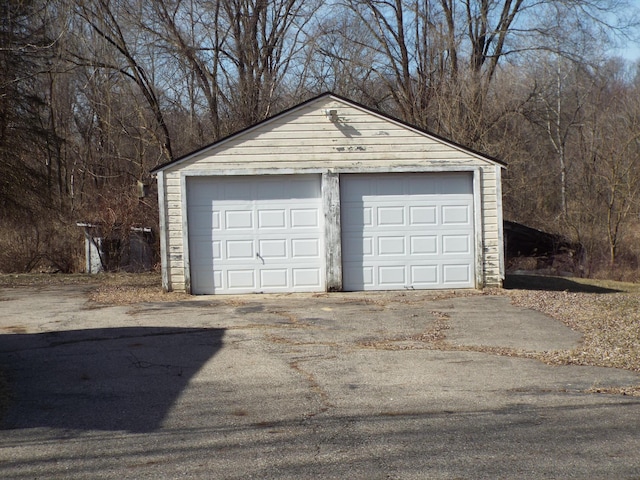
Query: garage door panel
x=305, y=248
x=272, y=249
x=269, y=227
x=392, y=275
x=272, y=218
x=216, y=223
x=305, y=218
x=456, y=244
x=354, y=273
x=456, y=184
x=357, y=246
x=390, y=216
x=206, y=249
x=209, y=220
x=367, y=246
x=456, y=274
x=368, y=276
x=241, y=279
x=421, y=185
x=272, y=189
x=421, y=235
x=234, y=191
x=359, y=188
x=391, y=246
x=201, y=278
x=354, y=217
x=424, y=245
x=275, y=278
x=423, y=215
x=269, y=190
x=216, y=246
x=392, y=185
x=424, y=275
x=308, y=277
x=238, y=219
x=456, y=215
x=240, y=250
x=217, y=279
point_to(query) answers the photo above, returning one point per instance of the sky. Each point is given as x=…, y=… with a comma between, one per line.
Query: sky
x=631, y=51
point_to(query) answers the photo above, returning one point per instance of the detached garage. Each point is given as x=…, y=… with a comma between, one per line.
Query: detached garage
x=330, y=196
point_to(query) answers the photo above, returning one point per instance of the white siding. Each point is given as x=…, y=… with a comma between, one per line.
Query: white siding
x=305, y=140
x=308, y=139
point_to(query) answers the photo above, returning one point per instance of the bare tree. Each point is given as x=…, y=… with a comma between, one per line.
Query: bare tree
x=443, y=55
x=405, y=50
x=193, y=33
x=25, y=50
x=264, y=40
x=562, y=89
x=612, y=173
x=109, y=23
x=93, y=93
x=345, y=65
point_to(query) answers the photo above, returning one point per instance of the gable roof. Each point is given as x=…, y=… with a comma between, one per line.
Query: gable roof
x=339, y=98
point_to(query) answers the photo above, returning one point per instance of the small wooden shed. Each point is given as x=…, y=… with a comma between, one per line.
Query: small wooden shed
x=117, y=248
x=330, y=196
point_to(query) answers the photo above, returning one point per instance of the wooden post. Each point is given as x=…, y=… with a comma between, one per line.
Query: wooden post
x=332, y=232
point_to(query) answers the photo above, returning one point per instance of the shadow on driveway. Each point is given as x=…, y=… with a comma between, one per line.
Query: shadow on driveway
x=551, y=284
x=101, y=379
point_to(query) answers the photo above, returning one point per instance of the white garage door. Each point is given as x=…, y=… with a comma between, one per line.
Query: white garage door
x=407, y=231
x=255, y=234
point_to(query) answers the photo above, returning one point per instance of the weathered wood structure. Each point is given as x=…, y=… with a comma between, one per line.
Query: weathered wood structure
x=329, y=196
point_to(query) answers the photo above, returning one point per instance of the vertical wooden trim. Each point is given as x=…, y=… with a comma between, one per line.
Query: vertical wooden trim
x=185, y=233
x=164, y=234
x=332, y=230
x=87, y=251
x=501, y=246
x=478, y=226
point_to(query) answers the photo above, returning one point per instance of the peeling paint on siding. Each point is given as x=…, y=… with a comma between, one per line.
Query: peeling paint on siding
x=307, y=141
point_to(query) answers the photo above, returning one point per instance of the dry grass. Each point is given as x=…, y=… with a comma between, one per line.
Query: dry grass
x=105, y=288
x=14, y=280
x=433, y=337
x=131, y=294
x=609, y=321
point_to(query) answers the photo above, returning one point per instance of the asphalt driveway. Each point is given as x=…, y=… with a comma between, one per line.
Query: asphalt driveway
x=400, y=385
